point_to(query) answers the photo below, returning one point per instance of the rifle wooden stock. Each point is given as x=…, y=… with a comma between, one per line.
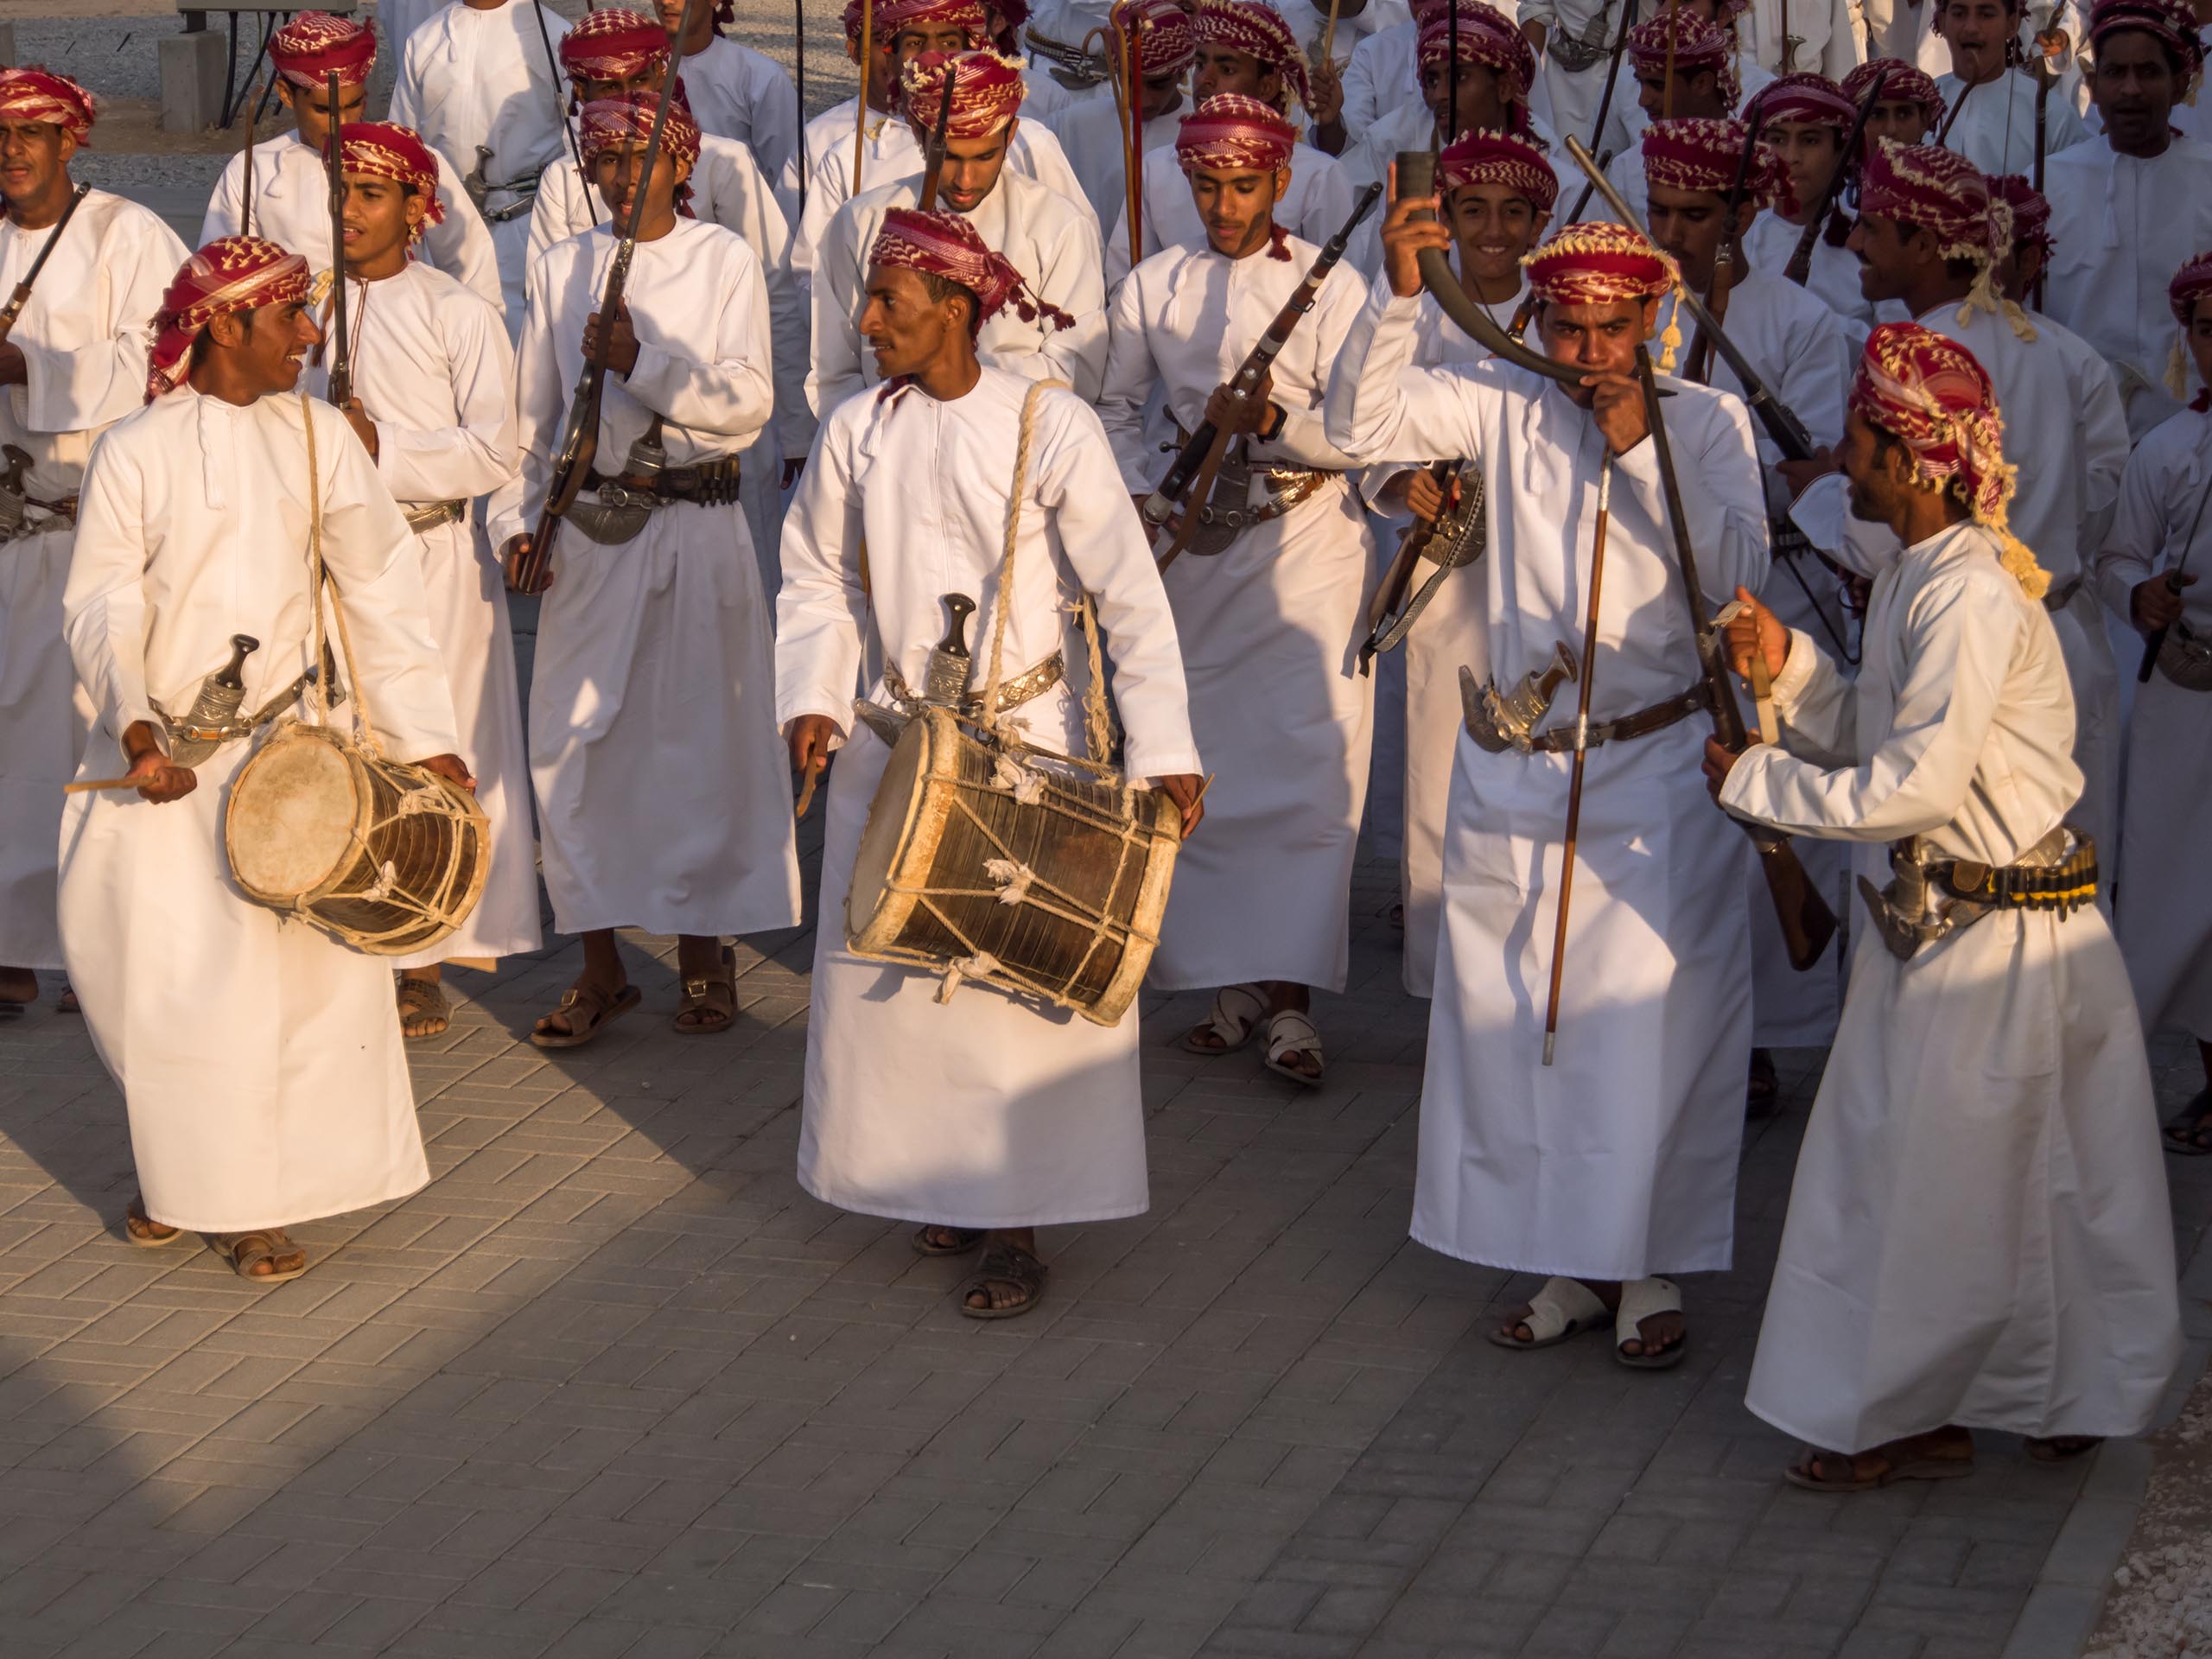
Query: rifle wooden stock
x=1800, y=268
x=1392, y=594
x=335, y=351
x=1807, y=924
x=22, y=296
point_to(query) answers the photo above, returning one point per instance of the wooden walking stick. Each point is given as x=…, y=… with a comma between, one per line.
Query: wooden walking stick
x=1581, y=749
x=798, y=37
x=1133, y=162
x=867, y=79
x=1666, y=86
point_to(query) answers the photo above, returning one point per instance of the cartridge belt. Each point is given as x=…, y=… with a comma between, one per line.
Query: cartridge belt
x=426, y=517
x=1560, y=739
x=2059, y=873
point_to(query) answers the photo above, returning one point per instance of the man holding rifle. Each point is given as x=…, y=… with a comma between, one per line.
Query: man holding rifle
x=1616, y=1163
x=81, y=272
x=1806, y=120
x=1978, y=1234
x=1270, y=621
x=662, y=793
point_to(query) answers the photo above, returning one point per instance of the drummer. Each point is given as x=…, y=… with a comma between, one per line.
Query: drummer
x=980, y=1117
x=261, y=1067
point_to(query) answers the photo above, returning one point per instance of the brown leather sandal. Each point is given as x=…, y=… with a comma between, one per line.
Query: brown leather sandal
x=246, y=1251
x=709, y=1006
x=142, y=1230
x=422, y=1001
x=595, y=1008
x=1004, y=1263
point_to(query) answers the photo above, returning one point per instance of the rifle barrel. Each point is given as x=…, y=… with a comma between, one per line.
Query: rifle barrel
x=21, y=297
x=341, y=378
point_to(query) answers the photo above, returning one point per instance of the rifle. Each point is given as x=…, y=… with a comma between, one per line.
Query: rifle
x=568, y=127
x=1613, y=79
x=1700, y=366
x=22, y=296
x=798, y=37
x=1801, y=257
x=1387, y=624
x=1192, y=476
x=933, y=151
x=2044, y=80
x=578, y=443
x=340, y=385
x=1807, y=924
x=1951, y=116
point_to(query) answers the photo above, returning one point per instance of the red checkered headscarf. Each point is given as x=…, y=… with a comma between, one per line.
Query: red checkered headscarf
x=2192, y=283
x=1931, y=394
x=614, y=43
x=1258, y=31
x=1167, y=38
x=1696, y=153
x=1231, y=133
x=1808, y=100
x=308, y=48
x=1945, y=194
x=1485, y=36
x=612, y=122
x=1503, y=158
x=1902, y=83
x=230, y=274
x=54, y=100
x=967, y=16
x=1597, y=262
x=384, y=149
x=986, y=92
x=1694, y=44
x=947, y=245
x=2030, y=213
x=2172, y=22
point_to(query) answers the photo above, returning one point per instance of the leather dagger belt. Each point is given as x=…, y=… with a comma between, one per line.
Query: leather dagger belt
x=1575, y=55
x=1928, y=899
x=1560, y=739
x=627, y=500
x=426, y=516
x=1014, y=690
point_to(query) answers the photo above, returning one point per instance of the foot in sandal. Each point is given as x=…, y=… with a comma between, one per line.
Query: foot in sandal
x=266, y=1256
x=1563, y=1308
x=930, y=1239
x=1944, y=1453
x=18, y=989
x=2061, y=1448
x=600, y=995
x=1645, y=1314
x=1009, y=1279
x=2189, y=1135
x=1293, y=1040
x=142, y=1229
x=1238, y=1011
x=423, y=1010
x=709, y=1000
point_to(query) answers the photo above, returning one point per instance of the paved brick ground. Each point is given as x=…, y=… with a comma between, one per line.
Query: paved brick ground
x=612, y=1385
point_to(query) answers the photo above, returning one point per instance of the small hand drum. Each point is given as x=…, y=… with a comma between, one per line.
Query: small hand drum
x=387, y=858
x=1009, y=870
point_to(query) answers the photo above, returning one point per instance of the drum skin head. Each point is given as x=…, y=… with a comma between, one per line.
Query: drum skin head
x=291, y=818
x=873, y=914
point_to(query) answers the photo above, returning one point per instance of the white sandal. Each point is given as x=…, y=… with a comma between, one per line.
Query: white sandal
x=1229, y=1020
x=1640, y=1299
x=1563, y=1308
x=1291, y=1033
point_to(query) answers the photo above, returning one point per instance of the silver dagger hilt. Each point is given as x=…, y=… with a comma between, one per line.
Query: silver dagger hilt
x=209, y=723
x=945, y=681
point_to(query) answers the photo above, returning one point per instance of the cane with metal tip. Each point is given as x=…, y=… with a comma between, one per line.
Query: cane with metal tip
x=1581, y=749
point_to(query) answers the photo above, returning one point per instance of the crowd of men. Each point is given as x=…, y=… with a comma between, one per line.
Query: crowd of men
x=1929, y=430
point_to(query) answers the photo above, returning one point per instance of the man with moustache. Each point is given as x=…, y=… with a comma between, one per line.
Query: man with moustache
x=1704, y=88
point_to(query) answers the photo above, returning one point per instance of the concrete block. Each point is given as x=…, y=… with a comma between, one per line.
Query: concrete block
x=192, y=80
x=8, y=45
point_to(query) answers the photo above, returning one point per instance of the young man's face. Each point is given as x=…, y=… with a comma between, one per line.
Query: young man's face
x=670, y=13
x=1493, y=225
x=906, y=329
x=1901, y=118
x=2200, y=341
x=915, y=39
x=32, y=155
x=1216, y=70
x=591, y=88
x=311, y=105
x=2017, y=270
x=1889, y=256
x=2134, y=88
x=1598, y=339
x=1878, y=472
x=615, y=171
x=1481, y=96
x=972, y=167
x=1978, y=32
x=1809, y=151
x=1689, y=224
x=1237, y=209
x=1161, y=94
x=1697, y=92
x=380, y=218
x=263, y=348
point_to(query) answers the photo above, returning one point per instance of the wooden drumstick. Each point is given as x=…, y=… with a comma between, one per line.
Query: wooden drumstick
x=104, y=783
x=806, y=789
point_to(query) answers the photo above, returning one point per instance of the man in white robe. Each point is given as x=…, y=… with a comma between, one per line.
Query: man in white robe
x=612, y=51
x=1978, y=1234
x=1477, y=81
x=1329, y=61
x=433, y=379
x=2127, y=210
x=1057, y=329
x=1380, y=76
x=1616, y=1164
x=735, y=91
x=979, y=1114
x=1929, y=236
x=2151, y=573
x=74, y=363
x=478, y=82
x=1270, y=621
x=1575, y=38
x=261, y=1068
x=1092, y=132
x=1823, y=37
x=1909, y=110
x=1243, y=48
x=286, y=200
x=1990, y=105
x=1804, y=354
x=1703, y=58
x=1499, y=192
x=652, y=689
x=1804, y=120
x=904, y=29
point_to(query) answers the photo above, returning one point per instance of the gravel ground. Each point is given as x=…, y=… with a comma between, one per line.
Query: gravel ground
x=2161, y=1602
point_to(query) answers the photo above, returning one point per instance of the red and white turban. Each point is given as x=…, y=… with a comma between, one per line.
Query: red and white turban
x=628, y=121
x=1485, y=36
x=1167, y=39
x=1931, y=394
x=1597, y=262
x=384, y=149
x=1945, y=194
x=1696, y=153
x=1258, y=31
x=313, y=44
x=231, y=274
x=967, y=16
x=948, y=247
x=53, y=100
x=1231, y=133
x=2192, y=283
x=1693, y=43
x=2030, y=213
x=2172, y=22
x=614, y=43
x=1807, y=100
x=1902, y=83
x=1502, y=158
x=987, y=93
